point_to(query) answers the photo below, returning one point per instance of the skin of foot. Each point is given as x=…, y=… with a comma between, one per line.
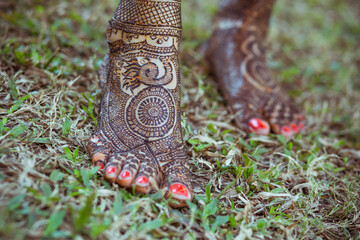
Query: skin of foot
x=237, y=58
x=138, y=141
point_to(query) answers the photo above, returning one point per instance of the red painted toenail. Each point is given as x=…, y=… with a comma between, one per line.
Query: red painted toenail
x=125, y=174
x=294, y=127
x=286, y=129
x=301, y=126
x=262, y=124
x=179, y=189
x=101, y=165
x=142, y=180
x=111, y=170
x=256, y=123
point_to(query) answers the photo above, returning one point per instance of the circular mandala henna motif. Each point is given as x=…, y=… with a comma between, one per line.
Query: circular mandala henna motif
x=151, y=113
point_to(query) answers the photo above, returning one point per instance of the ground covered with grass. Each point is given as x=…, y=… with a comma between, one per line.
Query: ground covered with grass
x=247, y=187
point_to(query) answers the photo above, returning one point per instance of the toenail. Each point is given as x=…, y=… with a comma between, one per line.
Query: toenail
x=125, y=174
x=101, y=165
x=179, y=189
x=111, y=170
x=301, y=126
x=294, y=127
x=256, y=123
x=286, y=129
x=142, y=180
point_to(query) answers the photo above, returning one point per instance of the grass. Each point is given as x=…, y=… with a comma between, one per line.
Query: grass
x=247, y=187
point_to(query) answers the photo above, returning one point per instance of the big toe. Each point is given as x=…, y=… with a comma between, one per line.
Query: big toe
x=178, y=185
x=179, y=194
x=259, y=126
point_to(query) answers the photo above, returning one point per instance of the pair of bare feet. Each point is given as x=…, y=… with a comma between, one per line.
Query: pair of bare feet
x=138, y=141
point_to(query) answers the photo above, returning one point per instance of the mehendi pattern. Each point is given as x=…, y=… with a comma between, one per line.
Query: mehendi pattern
x=237, y=57
x=152, y=113
x=140, y=106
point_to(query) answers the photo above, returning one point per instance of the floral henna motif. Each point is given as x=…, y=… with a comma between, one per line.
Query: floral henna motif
x=237, y=56
x=139, y=133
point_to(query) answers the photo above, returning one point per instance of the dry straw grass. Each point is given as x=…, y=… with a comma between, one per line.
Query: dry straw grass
x=247, y=187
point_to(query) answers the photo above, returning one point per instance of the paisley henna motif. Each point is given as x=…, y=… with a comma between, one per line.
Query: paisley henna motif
x=254, y=68
x=139, y=123
x=146, y=71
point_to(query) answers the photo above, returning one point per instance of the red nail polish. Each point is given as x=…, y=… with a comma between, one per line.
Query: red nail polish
x=286, y=129
x=111, y=170
x=294, y=127
x=179, y=189
x=262, y=124
x=301, y=126
x=125, y=174
x=256, y=123
x=142, y=180
x=253, y=123
x=101, y=165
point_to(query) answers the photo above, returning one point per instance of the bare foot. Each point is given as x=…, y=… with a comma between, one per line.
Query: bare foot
x=237, y=57
x=138, y=141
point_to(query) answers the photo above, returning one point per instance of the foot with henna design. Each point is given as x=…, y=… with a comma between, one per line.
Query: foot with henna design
x=237, y=58
x=138, y=141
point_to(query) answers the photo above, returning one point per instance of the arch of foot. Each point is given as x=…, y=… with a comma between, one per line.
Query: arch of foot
x=139, y=133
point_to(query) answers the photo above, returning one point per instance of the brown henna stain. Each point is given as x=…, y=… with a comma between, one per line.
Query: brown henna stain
x=140, y=105
x=237, y=56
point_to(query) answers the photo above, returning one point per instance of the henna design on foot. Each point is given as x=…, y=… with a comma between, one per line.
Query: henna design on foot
x=237, y=57
x=138, y=141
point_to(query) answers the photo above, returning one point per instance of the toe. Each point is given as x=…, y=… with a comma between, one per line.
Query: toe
x=129, y=170
x=178, y=185
x=112, y=171
x=99, y=151
x=284, y=118
x=300, y=122
x=126, y=177
x=99, y=160
x=259, y=126
x=286, y=131
x=147, y=171
x=142, y=184
x=113, y=167
x=100, y=164
x=180, y=192
x=294, y=127
x=98, y=157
